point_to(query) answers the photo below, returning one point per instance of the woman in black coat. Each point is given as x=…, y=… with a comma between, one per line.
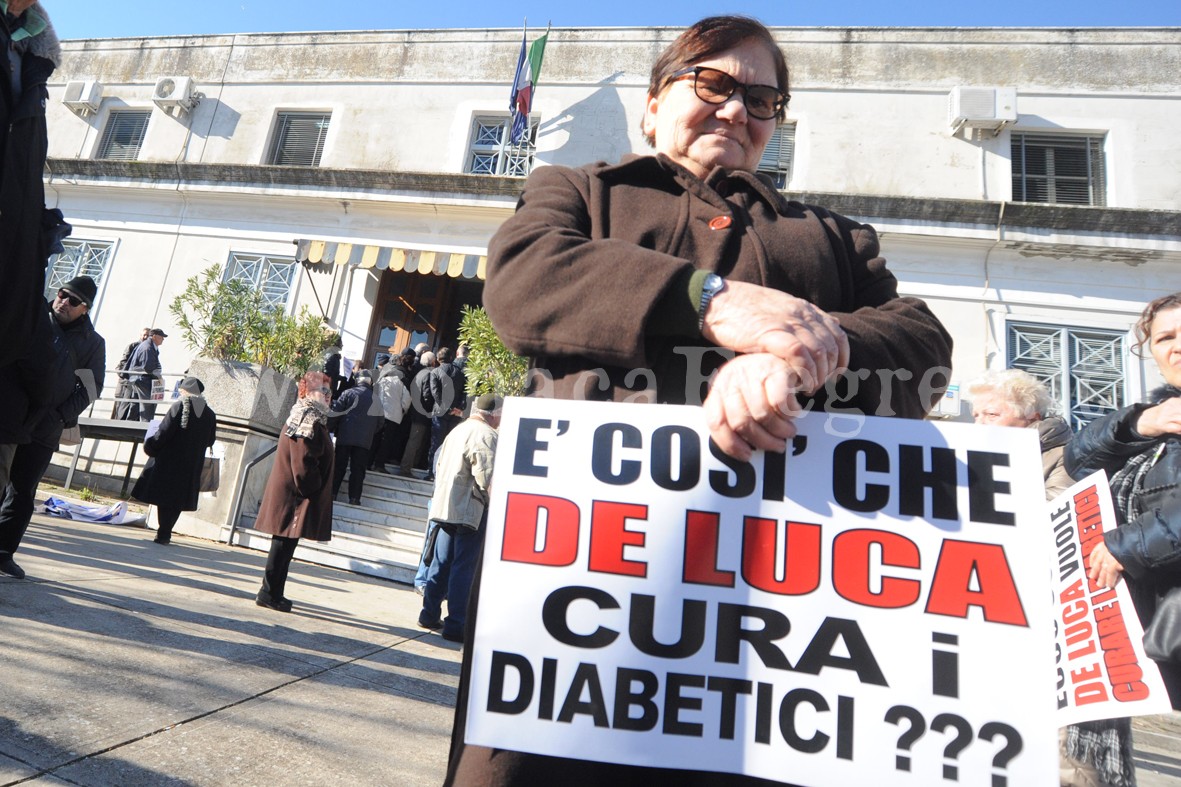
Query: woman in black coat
x=1139, y=447
x=171, y=479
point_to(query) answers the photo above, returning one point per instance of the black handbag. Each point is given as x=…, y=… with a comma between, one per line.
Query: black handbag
x=1162, y=638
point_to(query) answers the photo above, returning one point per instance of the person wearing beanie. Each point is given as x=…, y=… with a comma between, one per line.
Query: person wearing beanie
x=75, y=380
x=27, y=229
x=457, y=515
x=358, y=417
x=171, y=479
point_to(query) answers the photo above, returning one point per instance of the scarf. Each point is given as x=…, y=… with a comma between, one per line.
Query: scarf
x=1129, y=479
x=187, y=403
x=305, y=414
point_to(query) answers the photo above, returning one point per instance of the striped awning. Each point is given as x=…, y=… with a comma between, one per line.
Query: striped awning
x=424, y=261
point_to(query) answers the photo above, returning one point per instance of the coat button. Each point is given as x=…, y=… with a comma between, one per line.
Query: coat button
x=719, y=222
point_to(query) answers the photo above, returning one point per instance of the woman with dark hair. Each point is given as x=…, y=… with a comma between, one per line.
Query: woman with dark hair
x=297, y=502
x=636, y=281
x=1140, y=450
x=171, y=479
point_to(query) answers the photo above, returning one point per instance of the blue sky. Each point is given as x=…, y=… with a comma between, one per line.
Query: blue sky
x=91, y=19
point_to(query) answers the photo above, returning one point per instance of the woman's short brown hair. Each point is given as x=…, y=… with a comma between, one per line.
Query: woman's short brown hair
x=1143, y=329
x=706, y=38
x=311, y=381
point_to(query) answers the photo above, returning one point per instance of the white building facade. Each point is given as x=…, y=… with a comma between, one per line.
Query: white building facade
x=1025, y=182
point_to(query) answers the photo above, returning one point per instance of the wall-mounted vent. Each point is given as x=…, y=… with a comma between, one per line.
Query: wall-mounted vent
x=990, y=108
x=83, y=96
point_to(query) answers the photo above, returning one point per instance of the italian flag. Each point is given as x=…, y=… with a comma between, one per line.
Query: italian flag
x=524, y=85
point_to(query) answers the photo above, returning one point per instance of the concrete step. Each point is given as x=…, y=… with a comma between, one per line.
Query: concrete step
x=381, y=512
x=395, y=559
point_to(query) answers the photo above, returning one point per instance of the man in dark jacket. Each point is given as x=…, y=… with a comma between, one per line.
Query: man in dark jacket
x=422, y=405
x=122, y=390
x=449, y=390
x=79, y=358
x=31, y=46
x=358, y=421
x=144, y=370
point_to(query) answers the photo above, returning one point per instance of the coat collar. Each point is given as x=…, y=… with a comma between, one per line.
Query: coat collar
x=661, y=166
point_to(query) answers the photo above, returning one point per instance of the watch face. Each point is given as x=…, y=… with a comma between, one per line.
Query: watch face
x=713, y=282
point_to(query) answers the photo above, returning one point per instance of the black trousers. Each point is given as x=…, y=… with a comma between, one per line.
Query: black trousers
x=356, y=457
x=29, y=463
x=393, y=441
x=167, y=518
x=274, y=576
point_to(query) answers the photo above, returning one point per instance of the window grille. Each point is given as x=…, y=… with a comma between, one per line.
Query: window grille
x=299, y=138
x=1059, y=168
x=80, y=258
x=272, y=276
x=124, y=134
x=1082, y=367
x=779, y=154
x=491, y=153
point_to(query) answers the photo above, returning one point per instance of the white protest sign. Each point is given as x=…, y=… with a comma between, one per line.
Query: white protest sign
x=1103, y=672
x=869, y=608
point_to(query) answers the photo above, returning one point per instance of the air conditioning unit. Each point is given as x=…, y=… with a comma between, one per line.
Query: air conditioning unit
x=990, y=108
x=83, y=96
x=178, y=92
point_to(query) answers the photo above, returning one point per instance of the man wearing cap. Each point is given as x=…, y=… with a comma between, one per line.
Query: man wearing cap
x=32, y=52
x=79, y=358
x=143, y=370
x=458, y=511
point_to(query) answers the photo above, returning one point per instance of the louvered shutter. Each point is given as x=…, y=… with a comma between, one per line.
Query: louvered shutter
x=299, y=138
x=124, y=135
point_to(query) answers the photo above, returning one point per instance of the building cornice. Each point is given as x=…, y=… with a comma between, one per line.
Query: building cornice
x=977, y=214
x=248, y=176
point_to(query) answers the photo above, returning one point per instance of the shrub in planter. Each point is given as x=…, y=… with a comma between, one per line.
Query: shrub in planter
x=491, y=367
x=229, y=321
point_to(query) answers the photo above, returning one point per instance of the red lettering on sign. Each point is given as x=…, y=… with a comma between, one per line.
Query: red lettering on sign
x=522, y=521
x=609, y=535
x=851, y=568
x=951, y=588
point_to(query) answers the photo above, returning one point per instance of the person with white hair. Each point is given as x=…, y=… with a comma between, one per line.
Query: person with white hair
x=457, y=516
x=1013, y=397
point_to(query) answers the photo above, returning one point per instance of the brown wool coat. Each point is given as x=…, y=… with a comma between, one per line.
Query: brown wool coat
x=297, y=502
x=578, y=278
x=583, y=275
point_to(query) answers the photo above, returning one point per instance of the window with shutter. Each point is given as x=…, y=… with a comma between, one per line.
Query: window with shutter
x=272, y=276
x=1082, y=367
x=1058, y=168
x=80, y=258
x=491, y=152
x=124, y=134
x=299, y=138
x=778, y=155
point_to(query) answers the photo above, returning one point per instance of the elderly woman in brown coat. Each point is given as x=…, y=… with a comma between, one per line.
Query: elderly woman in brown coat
x=637, y=281
x=297, y=502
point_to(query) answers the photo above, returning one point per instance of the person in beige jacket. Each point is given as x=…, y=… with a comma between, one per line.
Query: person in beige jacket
x=463, y=473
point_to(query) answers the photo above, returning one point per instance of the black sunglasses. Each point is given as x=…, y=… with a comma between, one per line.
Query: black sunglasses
x=74, y=300
x=715, y=87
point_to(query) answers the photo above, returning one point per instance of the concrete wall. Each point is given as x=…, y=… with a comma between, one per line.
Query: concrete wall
x=870, y=104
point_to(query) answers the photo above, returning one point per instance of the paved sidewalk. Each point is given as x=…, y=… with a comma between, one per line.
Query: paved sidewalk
x=123, y=662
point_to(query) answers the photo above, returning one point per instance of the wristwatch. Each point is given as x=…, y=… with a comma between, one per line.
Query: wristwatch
x=712, y=286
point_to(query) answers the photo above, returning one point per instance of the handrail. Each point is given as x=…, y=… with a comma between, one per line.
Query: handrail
x=242, y=491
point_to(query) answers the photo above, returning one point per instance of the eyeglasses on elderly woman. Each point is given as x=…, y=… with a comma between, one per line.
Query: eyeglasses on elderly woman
x=715, y=87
